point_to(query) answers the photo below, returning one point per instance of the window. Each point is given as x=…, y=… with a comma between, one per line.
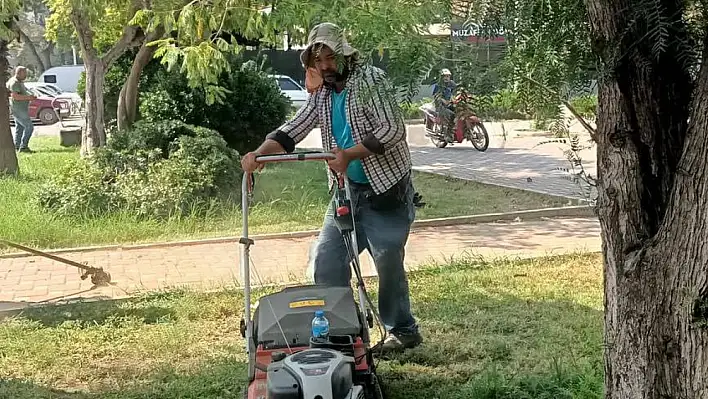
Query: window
x=50, y=78
x=46, y=92
x=50, y=88
x=287, y=84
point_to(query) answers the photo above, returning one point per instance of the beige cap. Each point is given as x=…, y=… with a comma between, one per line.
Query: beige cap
x=331, y=36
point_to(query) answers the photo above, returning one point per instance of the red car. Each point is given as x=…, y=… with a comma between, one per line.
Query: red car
x=41, y=108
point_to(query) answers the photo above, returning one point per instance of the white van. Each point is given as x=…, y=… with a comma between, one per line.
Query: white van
x=66, y=77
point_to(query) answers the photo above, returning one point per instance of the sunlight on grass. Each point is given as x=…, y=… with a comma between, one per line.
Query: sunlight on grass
x=287, y=198
x=500, y=329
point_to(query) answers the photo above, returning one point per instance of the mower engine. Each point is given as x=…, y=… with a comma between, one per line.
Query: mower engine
x=313, y=374
x=286, y=362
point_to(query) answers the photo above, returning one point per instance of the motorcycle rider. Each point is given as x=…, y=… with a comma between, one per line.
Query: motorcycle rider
x=442, y=95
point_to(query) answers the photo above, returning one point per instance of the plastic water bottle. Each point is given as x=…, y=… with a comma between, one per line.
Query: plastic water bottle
x=320, y=325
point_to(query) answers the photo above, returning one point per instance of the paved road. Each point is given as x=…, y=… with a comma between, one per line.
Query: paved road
x=210, y=265
x=511, y=162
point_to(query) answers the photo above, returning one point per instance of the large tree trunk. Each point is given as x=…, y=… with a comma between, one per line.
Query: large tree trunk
x=8, y=156
x=94, y=134
x=128, y=97
x=653, y=197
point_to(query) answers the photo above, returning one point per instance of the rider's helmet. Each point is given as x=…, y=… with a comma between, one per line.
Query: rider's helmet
x=445, y=72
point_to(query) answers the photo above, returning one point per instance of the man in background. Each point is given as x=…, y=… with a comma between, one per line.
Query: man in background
x=442, y=96
x=20, y=100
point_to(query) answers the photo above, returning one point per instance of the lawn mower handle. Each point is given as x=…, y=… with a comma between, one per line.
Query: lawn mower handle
x=297, y=156
x=246, y=242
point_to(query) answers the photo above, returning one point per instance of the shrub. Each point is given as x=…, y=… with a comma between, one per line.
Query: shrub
x=585, y=105
x=254, y=107
x=411, y=109
x=79, y=188
x=153, y=170
x=507, y=105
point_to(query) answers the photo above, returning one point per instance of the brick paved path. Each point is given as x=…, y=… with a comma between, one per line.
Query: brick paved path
x=33, y=279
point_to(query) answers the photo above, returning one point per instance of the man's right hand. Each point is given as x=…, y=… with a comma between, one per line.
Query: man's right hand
x=249, y=163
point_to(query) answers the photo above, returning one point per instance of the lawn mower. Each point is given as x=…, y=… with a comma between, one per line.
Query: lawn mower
x=284, y=360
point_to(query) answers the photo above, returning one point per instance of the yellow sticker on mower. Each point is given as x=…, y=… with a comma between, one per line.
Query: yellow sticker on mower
x=307, y=303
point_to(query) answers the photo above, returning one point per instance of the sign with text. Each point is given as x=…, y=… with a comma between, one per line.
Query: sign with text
x=470, y=32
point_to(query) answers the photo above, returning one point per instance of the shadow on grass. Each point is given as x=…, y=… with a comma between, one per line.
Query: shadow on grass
x=56, y=149
x=96, y=313
x=221, y=378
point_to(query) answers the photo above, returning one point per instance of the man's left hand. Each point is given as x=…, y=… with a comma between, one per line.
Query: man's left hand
x=340, y=163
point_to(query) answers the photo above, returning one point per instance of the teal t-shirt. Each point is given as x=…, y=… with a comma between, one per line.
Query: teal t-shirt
x=342, y=133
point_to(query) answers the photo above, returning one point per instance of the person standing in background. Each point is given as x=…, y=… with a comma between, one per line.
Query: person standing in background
x=20, y=100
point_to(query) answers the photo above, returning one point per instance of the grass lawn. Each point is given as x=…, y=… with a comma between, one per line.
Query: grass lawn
x=502, y=329
x=288, y=198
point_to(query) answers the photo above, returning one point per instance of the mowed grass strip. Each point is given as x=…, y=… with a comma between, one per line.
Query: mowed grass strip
x=501, y=329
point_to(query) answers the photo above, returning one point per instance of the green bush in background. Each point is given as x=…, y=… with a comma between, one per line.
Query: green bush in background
x=153, y=170
x=254, y=107
x=585, y=105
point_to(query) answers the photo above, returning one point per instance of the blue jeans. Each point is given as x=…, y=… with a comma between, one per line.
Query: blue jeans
x=23, y=131
x=384, y=235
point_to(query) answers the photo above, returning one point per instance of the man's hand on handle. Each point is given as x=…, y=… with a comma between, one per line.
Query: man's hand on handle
x=249, y=163
x=340, y=163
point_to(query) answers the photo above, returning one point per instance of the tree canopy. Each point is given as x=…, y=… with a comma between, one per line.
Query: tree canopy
x=107, y=17
x=198, y=46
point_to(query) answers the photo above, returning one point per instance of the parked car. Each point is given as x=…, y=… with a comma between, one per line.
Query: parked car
x=46, y=109
x=52, y=90
x=297, y=94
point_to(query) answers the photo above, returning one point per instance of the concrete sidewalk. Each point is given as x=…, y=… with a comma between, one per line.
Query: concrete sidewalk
x=28, y=280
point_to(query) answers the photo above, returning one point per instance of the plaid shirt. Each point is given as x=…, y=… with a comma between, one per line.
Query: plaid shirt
x=375, y=121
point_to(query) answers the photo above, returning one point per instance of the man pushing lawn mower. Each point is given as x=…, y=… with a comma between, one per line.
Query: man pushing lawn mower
x=353, y=105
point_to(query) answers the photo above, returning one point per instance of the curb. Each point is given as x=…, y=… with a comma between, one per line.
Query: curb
x=570, y=211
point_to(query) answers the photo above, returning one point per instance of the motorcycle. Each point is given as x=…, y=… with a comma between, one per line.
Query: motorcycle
x=467, y=126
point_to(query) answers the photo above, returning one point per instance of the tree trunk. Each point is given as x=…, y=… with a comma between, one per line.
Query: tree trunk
x=94, y=133
x=128, y=97
x=653, y=196
x=46, y=55
x=8, y=156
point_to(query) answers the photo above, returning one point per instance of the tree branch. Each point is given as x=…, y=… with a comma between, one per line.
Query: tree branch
x=586, y=125
x=30, y=45
x=84, y=34
x=132, y=36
